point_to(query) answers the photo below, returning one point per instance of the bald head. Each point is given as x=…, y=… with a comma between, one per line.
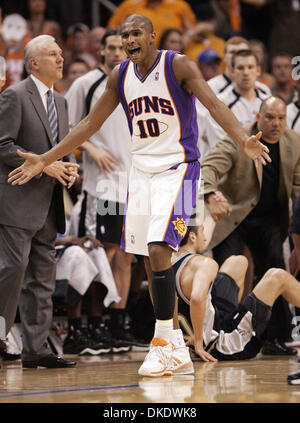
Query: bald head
x=139, y=20
x=270, y=103
x=271, y=119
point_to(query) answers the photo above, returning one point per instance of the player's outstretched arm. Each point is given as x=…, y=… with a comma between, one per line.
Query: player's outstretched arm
x=34, y=164
x=205, y=270
x=190, y=78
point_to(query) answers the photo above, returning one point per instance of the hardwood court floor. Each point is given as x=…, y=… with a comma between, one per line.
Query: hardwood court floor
x=113, y=378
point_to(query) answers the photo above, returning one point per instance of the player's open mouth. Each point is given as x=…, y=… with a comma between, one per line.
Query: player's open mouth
x=134, y=52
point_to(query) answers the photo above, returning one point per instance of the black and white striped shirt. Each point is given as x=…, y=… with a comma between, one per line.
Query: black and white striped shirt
x=220, y=83
x=293, y=116
x=244, y=110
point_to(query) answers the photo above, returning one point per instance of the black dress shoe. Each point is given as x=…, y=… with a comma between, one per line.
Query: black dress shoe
x=50, y=361
x=2, y=345
x=8, y=356
x=277, y=347
x=293, y=378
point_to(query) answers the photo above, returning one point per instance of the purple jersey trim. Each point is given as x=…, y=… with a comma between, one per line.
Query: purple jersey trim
x=143, y=78
x=184, y=204
x=186, y=110
x=120, y=86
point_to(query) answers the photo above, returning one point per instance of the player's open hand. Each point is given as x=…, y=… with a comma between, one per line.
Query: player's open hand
x=256, y=150
x=200, y=351
x=32, y=166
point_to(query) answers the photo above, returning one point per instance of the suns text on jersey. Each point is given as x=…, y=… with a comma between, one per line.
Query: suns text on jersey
x=153, y=104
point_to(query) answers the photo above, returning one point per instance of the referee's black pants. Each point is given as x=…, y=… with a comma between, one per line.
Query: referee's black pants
x=263, y=238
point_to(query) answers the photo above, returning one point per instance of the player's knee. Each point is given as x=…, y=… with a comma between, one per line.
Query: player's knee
x=75, y=253
x=160, y=256
x=123, y=259
x=241, y=263
x=235, y=266
x=276, y=277
x=238, y=262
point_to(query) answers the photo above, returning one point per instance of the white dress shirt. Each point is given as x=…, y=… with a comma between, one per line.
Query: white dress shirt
x=42, y=89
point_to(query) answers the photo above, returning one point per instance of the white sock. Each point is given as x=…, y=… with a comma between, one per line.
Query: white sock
x=177, y=338
x=163, y=329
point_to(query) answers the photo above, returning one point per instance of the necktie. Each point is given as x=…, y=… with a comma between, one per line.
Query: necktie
x=52, y=116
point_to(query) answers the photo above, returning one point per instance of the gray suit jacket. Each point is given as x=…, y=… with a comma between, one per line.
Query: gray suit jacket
x=24, y=125
x=228, y=169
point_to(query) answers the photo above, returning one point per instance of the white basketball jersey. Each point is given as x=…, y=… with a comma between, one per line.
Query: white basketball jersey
x=161, y=115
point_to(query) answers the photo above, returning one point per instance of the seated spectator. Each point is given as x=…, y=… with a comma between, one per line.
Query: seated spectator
x=76, y=69
x=171, y=39
x=13, y=38
x=38, y=23
x=209, y=63
x=202, y=35
x=162, y=13
x=83, y=270
x=283, y=87
x=77, y=45
x=260, y=51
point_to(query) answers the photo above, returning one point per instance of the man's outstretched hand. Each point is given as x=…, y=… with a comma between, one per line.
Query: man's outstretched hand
x=256, y=150
x=32, y=166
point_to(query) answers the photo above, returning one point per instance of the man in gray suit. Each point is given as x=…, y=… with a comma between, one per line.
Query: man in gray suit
x=32, y=118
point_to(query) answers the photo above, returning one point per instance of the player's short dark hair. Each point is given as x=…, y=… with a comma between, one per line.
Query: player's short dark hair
x=243, y=53
x=281, y=54
x=186, y=236
x=146, y=21
x=109, y=32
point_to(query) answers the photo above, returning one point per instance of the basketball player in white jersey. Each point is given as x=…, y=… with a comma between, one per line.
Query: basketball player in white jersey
x=106, y=165
x=156, y=89
x=223, y=327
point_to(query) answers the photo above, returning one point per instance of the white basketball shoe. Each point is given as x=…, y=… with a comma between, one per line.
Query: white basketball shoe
x=182, y=361
x=158, y=361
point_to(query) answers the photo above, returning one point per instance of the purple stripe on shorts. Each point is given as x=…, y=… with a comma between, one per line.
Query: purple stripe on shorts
x=185, y=105
x=123, y=243
x=183, y=206
x=120, y=86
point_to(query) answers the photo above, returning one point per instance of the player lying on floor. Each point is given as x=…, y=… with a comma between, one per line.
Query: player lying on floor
x=225, y=329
